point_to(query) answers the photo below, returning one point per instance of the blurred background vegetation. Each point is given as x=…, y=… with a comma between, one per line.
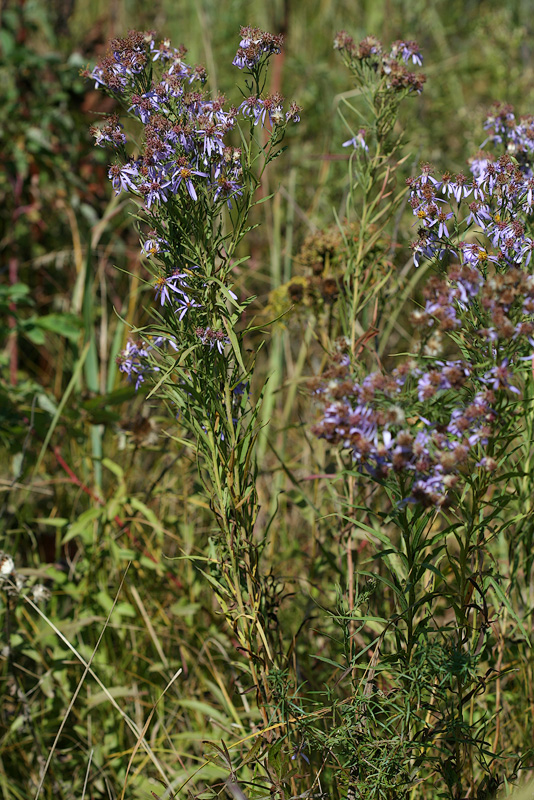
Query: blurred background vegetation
x=90, y=478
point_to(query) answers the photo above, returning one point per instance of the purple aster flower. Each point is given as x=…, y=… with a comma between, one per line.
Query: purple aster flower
x=467, y=285
x=214, y=110
x=357, y=141
x=255, y=44
x=479, y=214
x=446, y=314
x=156, y=190
x=527, y=251
x=499, y=377
x=240, y=388
x=164, y=52
x=165, y=285
x=460, y=188
x=484, y=172
x=431, y=489
x=110, y=134
x=185, y=303
x=272, y=106
x=501, y=119
x=441, y=221
x=215, y=338
x=362, y=421
x=172, y=84
x=407, y=51
x=475, y=255
x=426, y=177
x=210, y=135
x=293, y=115
x=227, y=189
x=252, y=107
x=144, y=105
x=98, y=75
x=428, y=247
x=122, y=177
x=132, y=361
x=158, y=341
x=155, y=245
x=184, y=175
x=529, y=196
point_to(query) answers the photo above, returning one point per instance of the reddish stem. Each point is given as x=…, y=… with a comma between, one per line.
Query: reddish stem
x=12, y=323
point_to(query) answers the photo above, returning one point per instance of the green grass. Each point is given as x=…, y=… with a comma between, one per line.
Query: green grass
x=130, y=679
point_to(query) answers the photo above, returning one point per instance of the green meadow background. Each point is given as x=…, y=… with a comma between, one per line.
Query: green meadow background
x=97, y=501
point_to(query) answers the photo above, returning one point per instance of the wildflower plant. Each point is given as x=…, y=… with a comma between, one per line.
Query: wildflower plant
x=383, y=79
x=434, y=447
x=193, y=173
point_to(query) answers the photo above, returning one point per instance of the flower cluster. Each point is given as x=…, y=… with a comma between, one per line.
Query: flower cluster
x=137, y=359
x=254, y=46
x=127, y=58
x=110, y=134
x=421, y=426
x=133, y=362
x=390, y=66
x=185, y=148
x=187, y=175
x=14, y=583
x=431, y=421
x=516, y=135
x=481, y=223
x=501, y=305
x=211, y=338
x=491, y=203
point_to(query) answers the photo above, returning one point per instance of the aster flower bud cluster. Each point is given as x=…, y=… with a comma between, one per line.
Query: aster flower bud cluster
x=390, y=66
x=211, y=338
x=323, y=259
x=384, y=80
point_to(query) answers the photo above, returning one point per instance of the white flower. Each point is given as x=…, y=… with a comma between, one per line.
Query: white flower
x=7, y=565
x=40, y=593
